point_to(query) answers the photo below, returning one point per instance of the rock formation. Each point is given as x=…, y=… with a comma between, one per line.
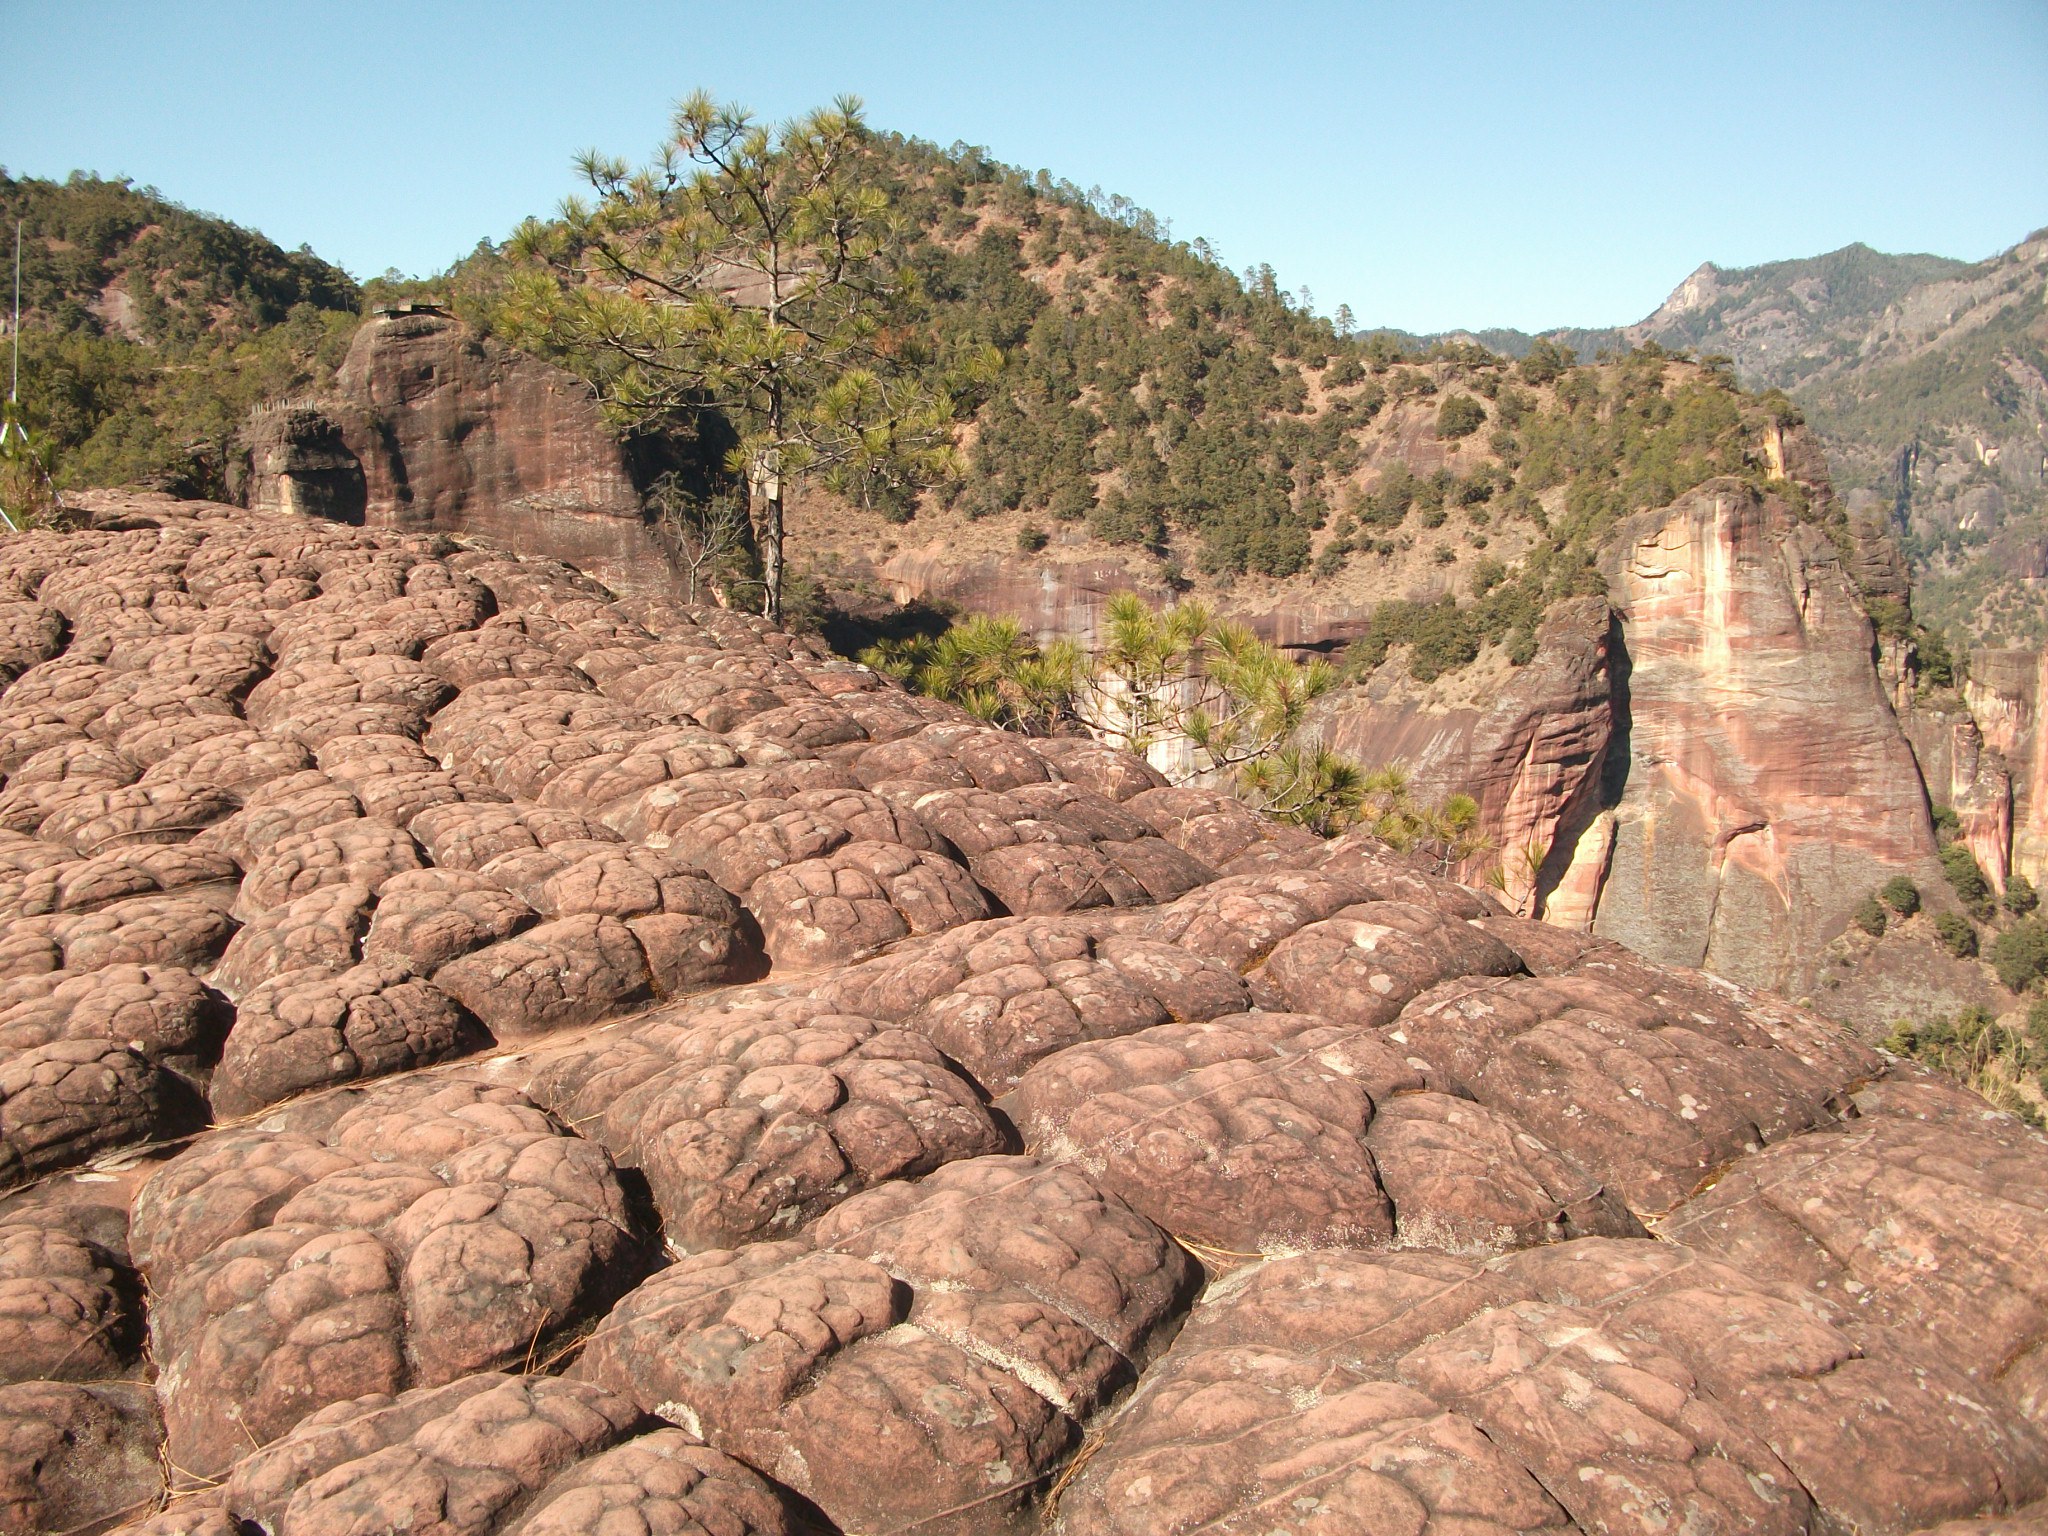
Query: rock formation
x=429, y=427
x=662, y=1077
x=2006, y=693
x=1716, y=777
x=1769, y=787
x=1967, y=775
x=1531, y=744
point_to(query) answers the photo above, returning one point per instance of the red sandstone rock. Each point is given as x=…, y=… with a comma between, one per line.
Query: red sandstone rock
x=572, y=971
x=67, y=1308
x=64, y=1102
x=163, y=1012
x=920, y=1364
x=868, y=1304
x=73, y=1457
x=430, y=1230
x=310, y=1028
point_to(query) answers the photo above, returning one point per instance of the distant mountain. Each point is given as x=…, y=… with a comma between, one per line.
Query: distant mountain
x=1926, y=379
x=1940, y=418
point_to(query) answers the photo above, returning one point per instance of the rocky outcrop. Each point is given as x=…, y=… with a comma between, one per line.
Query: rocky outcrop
x=1530, y=744
x=430, y=427
x=2006, y=693
x=1769, y=787
x=1058, y=593
x=668, y=1079
x=1713, y=774
x=1966, y=775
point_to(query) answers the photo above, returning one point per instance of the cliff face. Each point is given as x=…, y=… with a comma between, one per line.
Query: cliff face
x=1529, y=744
x=1714, y=775
x=2006, y=692
x=1768, y=786
x=1066, y=595
x=431, y=427
x=1965, y=773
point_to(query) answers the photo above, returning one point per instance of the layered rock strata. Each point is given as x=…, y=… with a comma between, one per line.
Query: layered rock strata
x=1714, y=774
x=428, y=426
x=483, y=1056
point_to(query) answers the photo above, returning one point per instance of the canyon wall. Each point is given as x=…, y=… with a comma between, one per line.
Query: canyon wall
x=1060, y=595
x=1966, y=774
x=2006, y=692
x=1713, y=775
x=1528, y=743
x=429, y=426
x=1715, y=765
x=1769, y=787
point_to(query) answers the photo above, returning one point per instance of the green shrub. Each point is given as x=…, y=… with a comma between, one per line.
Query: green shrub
x=1947, y=826
x=1031, y=540
x=1967, y=878
x=1869, y=916
x=1901, y=895
x=1937, y=663
x=1956, y=934
x=2020, y=896
x=2037, y=1021
x=1121, y=519
x=1459, y=416
x=2020, y=954
x=1545, y=362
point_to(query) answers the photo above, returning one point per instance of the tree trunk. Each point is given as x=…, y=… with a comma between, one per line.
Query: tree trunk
x=771, y=547
x=768, y=478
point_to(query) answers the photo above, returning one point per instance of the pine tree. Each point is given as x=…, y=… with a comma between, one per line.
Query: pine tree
x=748, y=270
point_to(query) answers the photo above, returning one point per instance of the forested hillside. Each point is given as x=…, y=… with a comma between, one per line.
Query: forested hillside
x=1202, y=424
x=149, y=331
x=1213, y=431
x=1927, y=381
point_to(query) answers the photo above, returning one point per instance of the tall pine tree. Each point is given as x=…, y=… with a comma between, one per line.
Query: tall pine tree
x=748, y=270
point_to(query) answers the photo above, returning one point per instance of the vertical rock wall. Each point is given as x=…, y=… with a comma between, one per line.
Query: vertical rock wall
x=432, y=427
x=1769, y=786
x=1711, y=771
x=1529, y=745
x=1967, y=775
x=2005, y=692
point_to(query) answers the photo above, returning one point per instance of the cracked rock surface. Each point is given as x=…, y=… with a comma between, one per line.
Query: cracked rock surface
x=480, y=1055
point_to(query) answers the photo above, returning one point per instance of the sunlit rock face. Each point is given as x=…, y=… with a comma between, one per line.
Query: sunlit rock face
x=1705, y=765
x=482, y=1054
x=2007, y=691
x=1769, y=787
x=429, y=427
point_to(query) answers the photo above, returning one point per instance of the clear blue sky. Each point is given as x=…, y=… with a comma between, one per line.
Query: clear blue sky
x=1431, y=164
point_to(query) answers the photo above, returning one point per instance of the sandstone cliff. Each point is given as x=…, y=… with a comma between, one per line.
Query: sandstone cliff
x=1715, y=778
x=1966, y=774
x=2006, y=692
x=1530, y=744
x=1769, y=787
x=431, y=427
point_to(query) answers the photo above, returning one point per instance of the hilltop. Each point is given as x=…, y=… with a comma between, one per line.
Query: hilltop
x=1926, y=380
x=149, y=330
x=1165, y=423
x=1159, y=420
